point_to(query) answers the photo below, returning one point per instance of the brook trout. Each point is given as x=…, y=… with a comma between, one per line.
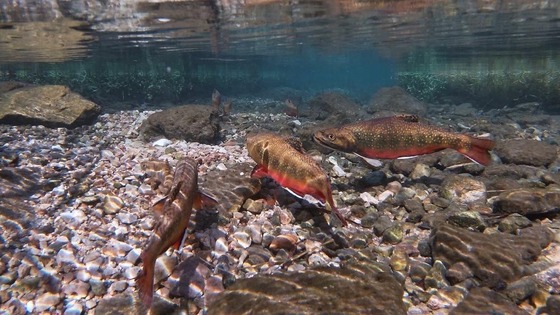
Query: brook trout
x=174, y=212
x=401, y=136
x=283, y=160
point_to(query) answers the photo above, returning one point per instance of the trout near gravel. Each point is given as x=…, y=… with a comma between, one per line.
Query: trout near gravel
x=399, y=137
x=173, y=215
x=283, y=160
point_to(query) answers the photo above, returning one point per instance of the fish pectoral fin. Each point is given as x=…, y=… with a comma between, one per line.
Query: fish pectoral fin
x=158, y=206
x=370, y=161
x=179, y=242
x=259, y=171
x=204, y=200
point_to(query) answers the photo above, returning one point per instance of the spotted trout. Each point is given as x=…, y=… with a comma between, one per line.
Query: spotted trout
x=173, y=214
x=283, y=160
x=399, y=137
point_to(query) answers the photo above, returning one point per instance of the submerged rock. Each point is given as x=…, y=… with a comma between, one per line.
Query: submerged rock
x=193, y=123
x=486, y=301
x=463, y=189
x=357, y=288
x=48, y=105
x=495, y=259
x=396, y=99
x=528, y=201
x=335, y=107
x=527, y=152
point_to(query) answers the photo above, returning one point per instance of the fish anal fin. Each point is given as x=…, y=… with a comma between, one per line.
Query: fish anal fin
x=179, y=241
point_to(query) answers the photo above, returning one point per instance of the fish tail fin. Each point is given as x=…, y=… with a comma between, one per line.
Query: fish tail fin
x=479, y=150
x=145, y=284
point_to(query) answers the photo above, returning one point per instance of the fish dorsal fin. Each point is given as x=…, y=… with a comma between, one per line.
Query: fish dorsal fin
x=204, y=200
x=175, y=190
x=295, y=143
x=158, y=206
x=408, y=117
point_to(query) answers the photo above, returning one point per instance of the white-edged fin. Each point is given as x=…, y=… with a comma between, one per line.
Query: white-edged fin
x=406, y=157
x=370, y=161
x=306, y=197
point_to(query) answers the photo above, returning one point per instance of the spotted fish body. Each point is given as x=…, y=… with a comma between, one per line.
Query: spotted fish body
x=174, y=214
x=401, y=136
x=283, y=160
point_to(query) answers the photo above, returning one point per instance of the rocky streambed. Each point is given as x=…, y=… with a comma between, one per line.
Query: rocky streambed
x=437, y=234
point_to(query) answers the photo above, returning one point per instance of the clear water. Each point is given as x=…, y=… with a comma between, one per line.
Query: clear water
x=490, y=53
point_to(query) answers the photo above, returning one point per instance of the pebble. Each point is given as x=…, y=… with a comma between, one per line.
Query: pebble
x=162, y=143
x=46, y=301
x=369, y=199
x=112, y=204
x=339, y=171
x=221, y=167
x=127, y=218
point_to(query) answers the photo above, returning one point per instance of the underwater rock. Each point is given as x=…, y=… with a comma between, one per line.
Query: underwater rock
x=526, y=152
x=335, y=108
x=230, y=187
x=48, y=105
x=486, y=301
x=118, y=304
x=193, y=123
x=495, y=259
x=396, y=99
x=463, y=189
x=359, y=287
x=528, y=201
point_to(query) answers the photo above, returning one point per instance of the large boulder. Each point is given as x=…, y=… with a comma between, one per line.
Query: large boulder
x=396, y=99
x=48, y=105
x=334, y=107
x=193, y=123
x=526, y=152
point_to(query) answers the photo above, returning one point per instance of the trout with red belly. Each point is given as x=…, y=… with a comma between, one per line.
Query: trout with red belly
x=283, y=160
x=399, y=137
x=173, y=215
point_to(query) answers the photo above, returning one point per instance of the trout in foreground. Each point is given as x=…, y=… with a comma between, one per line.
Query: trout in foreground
x=401, y=136
x=284, y=161
x=174, y=212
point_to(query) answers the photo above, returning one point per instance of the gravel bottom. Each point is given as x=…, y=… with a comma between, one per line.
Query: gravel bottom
x=85, y=216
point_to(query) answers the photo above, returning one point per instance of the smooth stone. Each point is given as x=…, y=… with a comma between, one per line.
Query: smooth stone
x=468, y=219
x=394, y=234
x=463, y=189
x=513, y=222
x=420, y=171
x=112, y=204
x=98, y=287
x=382, y=223
x=162, y=142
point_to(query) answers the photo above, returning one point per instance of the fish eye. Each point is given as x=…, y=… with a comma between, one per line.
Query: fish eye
x=330, y=136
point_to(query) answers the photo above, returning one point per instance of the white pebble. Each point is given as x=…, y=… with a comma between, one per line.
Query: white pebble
x=162, y=143
x=384, y=195
x=368, y=198
x=65, y=256
x=131, y=272
x=127, y=218
x=296, y=122
x=332, y=160
x=59, y=190
x=221, y=167
x=83, y=275
x=339, y=171
x=57, y=147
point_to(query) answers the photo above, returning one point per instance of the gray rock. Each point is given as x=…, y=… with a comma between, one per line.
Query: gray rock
x=527, y=152
x=335, y=107
x=358, y=287
x=512, y=223
x=197, y=123
x=48, y=105
x=495, y=259
x=394, y=234
x=528, y=201
x=468, y=219
x=118, y=305
x=463, y=189
x=486, y=301
x=396, y=99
